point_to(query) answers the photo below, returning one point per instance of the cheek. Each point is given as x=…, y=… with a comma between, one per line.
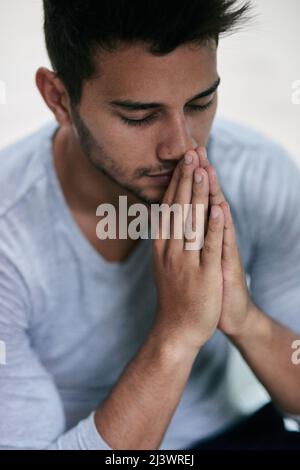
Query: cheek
x=208, y=118
x=122, y=139
x=135, y=145
x=129, y=148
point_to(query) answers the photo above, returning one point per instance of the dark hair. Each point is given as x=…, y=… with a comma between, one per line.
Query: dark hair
x=76, y=29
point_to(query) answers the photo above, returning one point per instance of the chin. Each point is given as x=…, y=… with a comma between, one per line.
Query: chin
x=148, y=197
x=152, y=198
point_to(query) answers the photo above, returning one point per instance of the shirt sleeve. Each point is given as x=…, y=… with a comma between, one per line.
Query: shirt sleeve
x=275, y=265
x=275, y=218
x=31, y=410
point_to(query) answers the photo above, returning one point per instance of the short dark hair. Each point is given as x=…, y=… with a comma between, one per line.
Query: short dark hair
x=76, y=29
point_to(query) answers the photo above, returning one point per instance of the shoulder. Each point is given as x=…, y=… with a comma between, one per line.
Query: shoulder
x=244, y=143
x=24, y=221
x=22, y=167
x=259, y=177
x=251, y=158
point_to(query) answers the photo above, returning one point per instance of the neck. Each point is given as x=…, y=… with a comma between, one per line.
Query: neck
x=85, y=188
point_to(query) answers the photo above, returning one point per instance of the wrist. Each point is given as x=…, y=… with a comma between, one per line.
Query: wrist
x=256, y=325
x=246, y=327
x=173, y=344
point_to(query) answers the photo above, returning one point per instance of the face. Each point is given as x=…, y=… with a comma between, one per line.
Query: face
x=142, y=114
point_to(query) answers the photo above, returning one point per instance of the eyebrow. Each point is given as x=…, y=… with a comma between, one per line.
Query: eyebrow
x=137, y=105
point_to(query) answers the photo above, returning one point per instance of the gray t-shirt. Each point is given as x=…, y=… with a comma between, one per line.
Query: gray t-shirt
x=70, y=321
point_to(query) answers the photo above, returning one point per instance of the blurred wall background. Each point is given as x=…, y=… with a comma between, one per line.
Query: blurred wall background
x=259, y=67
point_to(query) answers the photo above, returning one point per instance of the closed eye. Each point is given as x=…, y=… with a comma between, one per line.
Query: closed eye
x=152, y=117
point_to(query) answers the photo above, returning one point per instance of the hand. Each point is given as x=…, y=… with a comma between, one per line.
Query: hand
x=236, y=304
x=189, y=282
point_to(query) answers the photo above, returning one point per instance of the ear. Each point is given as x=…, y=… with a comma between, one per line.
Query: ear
x=54, y=94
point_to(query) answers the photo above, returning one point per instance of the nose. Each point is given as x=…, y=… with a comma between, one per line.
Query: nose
x=177, y=139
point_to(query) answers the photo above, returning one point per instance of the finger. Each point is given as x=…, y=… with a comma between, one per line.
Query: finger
x=202, y=155
x=199, y=207
x=163, y=224
x=157, y=235
x=183, y=195
x=216, y=194
x=230, y=249
x=215, y=191
x=171, y=190
x=212, y=249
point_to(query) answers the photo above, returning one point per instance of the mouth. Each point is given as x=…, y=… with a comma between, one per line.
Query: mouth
x=161, y=179
x=167, y=173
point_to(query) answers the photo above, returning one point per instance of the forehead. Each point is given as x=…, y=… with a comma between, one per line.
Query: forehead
x=133, y=72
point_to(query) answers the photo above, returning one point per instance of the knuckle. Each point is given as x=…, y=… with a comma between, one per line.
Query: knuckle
x=197, y=188
x=185, y=172
x=209, y=248
x=200, y=189
x=214, y=227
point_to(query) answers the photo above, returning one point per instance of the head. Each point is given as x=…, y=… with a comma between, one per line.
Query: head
x=135, y=81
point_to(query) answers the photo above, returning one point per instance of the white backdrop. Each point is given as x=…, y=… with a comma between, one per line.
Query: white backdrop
x=258, y=68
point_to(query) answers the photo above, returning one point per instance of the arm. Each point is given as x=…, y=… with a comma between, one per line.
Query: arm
x=261, y=323
x=273, y=322
x=31, y=411
x=266, y=346
x=138, y=411
x=148, y=392
x=151, y=387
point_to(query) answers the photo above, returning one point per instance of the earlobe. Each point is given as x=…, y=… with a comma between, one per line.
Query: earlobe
x=54, y=94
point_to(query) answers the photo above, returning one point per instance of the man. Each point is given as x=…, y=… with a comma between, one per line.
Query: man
x=122, y=343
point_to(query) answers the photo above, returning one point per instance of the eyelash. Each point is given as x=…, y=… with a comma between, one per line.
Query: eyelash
x=152, y=117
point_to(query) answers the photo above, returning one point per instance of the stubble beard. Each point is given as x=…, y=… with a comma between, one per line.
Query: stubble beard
x=91, y=148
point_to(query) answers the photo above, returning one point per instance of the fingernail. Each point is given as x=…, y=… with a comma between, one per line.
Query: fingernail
x=198, y=177
x=188, y=158
x=215, y=212
x=204, y=153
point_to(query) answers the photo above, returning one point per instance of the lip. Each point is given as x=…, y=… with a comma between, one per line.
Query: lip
x=168, y=173
x=163, y=179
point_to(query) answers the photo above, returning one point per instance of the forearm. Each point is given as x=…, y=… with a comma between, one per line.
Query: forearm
x=138, y=411
x=266, y=347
